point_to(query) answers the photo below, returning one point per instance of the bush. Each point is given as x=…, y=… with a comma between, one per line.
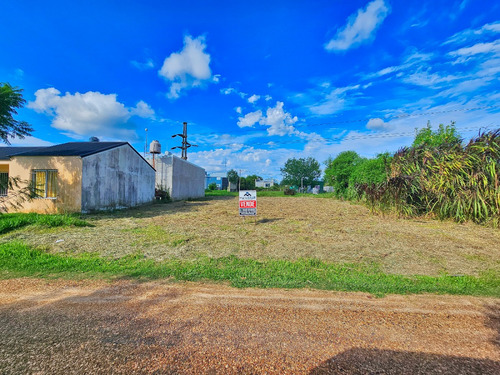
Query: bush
x=163, y=195
x=339, y=170
x=289, y=191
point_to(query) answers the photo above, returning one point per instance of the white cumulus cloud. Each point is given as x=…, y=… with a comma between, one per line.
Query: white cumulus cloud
x=360, y=27
x=250, y=119
x=279, y=121
x=89, y=114
x=188, y=68
x=143, y=109
x=378, y=124
x=253, y=98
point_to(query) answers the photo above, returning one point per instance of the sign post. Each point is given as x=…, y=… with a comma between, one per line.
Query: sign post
x=248, y=202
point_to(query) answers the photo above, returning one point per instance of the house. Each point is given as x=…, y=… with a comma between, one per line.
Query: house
x=219, y=179
x=182, y=179
x=80, y=176
x=264, y=183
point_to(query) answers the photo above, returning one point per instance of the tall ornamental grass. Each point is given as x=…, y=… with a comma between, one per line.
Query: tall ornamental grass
x=449, y=181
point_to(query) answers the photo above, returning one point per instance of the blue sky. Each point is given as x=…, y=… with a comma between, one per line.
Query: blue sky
x=257, y=81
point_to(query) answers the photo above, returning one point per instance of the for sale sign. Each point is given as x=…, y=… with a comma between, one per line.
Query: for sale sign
x=248, y=203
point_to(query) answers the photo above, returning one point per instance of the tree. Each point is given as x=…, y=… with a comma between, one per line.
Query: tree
x=250, y=181
x=10, y=100
x=212, y=186
x=371, y=171
x=232, y=176
x=444, y=136
x=302, y=170
x=339, y=170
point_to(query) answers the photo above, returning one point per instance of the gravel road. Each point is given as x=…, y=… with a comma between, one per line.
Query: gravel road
x=125, y=327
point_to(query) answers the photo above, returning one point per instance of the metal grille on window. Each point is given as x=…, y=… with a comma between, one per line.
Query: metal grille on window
x=4, y=184
x=51, y=184
x=45, y=183
x=39, y=178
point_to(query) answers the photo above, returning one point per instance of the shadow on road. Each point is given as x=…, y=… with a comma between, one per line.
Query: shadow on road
x=377, y=361
x=493, y=321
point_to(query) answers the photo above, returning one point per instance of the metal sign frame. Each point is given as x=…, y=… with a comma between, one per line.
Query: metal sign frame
x=248, y=203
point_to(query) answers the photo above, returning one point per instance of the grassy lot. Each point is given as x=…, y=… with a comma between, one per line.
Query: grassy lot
x=289, y=235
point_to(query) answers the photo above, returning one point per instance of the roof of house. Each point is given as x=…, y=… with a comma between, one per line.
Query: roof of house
x=81, y=149
x=8, y=151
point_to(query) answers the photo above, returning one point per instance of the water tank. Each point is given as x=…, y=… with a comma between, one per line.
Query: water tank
x=155, y=147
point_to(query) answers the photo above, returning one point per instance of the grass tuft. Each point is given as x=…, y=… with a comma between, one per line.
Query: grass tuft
x=18, y=259
x=10, y=222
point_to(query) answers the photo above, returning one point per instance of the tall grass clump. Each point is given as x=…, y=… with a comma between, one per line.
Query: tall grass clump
x=438, y=175
x=450, y=180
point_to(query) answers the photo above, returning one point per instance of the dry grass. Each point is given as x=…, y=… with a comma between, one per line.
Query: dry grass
x=286, y=228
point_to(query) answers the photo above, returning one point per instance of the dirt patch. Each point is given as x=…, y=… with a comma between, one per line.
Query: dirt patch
x=286, y=228
x=61, y=327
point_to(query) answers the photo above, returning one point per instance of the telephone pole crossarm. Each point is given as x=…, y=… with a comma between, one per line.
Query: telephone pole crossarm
x=185, y=143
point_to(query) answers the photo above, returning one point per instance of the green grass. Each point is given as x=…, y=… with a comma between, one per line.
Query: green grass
x=10, y=222
x=18, y=259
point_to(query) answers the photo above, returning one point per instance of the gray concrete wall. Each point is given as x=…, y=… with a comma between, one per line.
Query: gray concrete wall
x=181, y=178
x=116, y=178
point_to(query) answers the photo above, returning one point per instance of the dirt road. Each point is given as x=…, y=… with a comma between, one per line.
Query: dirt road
x=95, y=327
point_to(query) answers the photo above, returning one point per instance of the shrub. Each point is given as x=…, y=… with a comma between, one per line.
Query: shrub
x=163, y=195
x=289, y=191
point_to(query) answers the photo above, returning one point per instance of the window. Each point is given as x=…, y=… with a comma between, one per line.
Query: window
x=4, y=184
x=44, y=183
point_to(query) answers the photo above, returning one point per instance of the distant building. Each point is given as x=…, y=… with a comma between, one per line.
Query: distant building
x=264, y=183
x=219, y=179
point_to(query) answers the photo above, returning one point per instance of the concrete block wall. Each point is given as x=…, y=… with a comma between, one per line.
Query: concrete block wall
x=116, y=178
x=181, y=178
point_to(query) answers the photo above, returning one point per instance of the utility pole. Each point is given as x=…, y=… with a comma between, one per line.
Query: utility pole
x=185, y=143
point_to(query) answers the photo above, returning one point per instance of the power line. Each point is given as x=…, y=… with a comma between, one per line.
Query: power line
x=340, y=137
x=400, y=116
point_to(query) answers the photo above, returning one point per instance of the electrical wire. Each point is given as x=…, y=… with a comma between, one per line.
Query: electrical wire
x=393, y=117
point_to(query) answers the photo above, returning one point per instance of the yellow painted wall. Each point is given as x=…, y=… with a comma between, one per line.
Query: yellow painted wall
x=69, y=182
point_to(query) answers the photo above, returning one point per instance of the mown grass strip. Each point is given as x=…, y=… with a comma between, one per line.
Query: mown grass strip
x=18, y=259
x=10, y=222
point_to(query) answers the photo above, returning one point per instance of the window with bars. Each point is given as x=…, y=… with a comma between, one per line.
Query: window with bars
x=4, y=184
x=44, y=183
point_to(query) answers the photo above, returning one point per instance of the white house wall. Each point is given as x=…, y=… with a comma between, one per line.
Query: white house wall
x=116, y=178
x=181, y=178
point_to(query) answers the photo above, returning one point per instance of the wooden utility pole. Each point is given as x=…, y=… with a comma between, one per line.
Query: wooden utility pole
x=185, y=143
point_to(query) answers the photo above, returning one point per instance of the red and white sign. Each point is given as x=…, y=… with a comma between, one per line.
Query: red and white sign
x=248, y=203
